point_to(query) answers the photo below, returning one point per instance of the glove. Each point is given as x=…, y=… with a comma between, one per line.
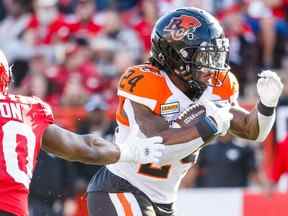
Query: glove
x=221, y=116
x=269, y=88
x=141, y=150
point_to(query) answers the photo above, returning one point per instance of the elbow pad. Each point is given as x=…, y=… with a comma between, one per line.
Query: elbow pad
x=266, y=118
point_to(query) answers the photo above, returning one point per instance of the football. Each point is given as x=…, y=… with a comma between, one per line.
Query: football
x=191, y=115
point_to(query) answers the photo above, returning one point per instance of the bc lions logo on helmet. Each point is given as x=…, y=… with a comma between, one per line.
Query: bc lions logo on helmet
x=181, y=26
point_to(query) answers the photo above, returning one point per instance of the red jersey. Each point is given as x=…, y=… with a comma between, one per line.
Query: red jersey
x=87, y=29
x=144, y=29
x=56, y=31
x=23, y=121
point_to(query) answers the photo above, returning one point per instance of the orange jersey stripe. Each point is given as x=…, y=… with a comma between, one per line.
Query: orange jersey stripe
x=120, y=117
x=125, y=204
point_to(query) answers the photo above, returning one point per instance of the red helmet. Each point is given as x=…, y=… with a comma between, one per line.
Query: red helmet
x=5, y=73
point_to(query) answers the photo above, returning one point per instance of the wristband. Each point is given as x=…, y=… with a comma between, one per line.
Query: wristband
x=265, y=110
x=206, y=128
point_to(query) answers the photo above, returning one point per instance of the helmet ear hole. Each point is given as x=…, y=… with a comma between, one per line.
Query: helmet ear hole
x=161, y=58
x=173, y=58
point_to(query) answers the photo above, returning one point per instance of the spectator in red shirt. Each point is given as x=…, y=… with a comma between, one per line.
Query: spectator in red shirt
x=242, y=43
x=122, y=37
x=280, y=164
x=71, y=82
x=47, y=25
x=268, y=19
x=280, y=12
x=84, y=23
x=279, y=7
x=148, y=17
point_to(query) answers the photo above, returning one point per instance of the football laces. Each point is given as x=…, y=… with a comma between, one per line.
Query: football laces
x=188, y=110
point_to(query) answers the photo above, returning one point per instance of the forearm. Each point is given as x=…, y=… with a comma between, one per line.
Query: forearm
x=151, y=125
x=254, y=125
x=89, y=148
x=171, y=135
x=96, y=150
x=244, y=124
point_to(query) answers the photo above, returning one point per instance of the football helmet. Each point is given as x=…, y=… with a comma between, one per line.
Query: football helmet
x=189, y=41
x=5, y=73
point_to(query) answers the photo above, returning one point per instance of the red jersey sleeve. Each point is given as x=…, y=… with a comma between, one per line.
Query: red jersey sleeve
x=45, y=112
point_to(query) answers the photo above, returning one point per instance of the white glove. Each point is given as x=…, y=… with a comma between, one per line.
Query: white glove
x=141, y=150
x=269, y=88
x=220, y=115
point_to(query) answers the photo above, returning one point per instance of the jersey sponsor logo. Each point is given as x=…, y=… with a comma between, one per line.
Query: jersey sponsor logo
x=170, y=108
x=182, y=26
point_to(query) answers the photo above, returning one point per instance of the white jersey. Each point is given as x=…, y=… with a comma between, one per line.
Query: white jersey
x=147, y=85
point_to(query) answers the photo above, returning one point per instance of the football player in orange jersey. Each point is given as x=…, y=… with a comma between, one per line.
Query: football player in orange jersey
x=26, y=125
x=188, y=65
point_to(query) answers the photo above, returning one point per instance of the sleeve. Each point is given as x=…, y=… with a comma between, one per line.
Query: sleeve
x=143, y=86
x=46, y=111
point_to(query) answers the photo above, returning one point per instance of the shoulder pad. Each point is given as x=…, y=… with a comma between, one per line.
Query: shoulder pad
x=229, y=89
x=44, y=110
x=143, y=84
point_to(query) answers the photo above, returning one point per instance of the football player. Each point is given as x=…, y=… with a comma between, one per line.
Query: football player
x=26, y=125
x=188, y=65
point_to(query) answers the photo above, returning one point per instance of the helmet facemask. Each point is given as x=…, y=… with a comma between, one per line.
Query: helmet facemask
x=209, y=58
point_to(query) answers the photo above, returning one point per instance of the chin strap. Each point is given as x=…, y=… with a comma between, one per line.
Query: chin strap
x=197, y=89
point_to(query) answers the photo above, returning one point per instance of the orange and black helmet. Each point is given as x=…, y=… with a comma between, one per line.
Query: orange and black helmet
x=187, y=40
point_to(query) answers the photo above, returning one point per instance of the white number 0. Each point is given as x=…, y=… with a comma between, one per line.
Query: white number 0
x=10, y=131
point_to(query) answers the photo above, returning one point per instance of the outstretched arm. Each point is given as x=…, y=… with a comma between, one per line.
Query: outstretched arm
x=88, y=148
x=257, y=124
x=92, y=149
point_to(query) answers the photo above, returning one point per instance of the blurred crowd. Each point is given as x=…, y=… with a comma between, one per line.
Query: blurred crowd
x=65, y=51
x=72, y=52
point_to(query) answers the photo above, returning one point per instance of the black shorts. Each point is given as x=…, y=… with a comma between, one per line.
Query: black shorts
x=111, y=195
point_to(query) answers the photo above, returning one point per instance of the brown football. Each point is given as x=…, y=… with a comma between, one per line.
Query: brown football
x=191, y=115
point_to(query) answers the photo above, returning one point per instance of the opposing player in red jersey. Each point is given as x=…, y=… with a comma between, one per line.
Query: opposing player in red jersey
x=26, y=125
